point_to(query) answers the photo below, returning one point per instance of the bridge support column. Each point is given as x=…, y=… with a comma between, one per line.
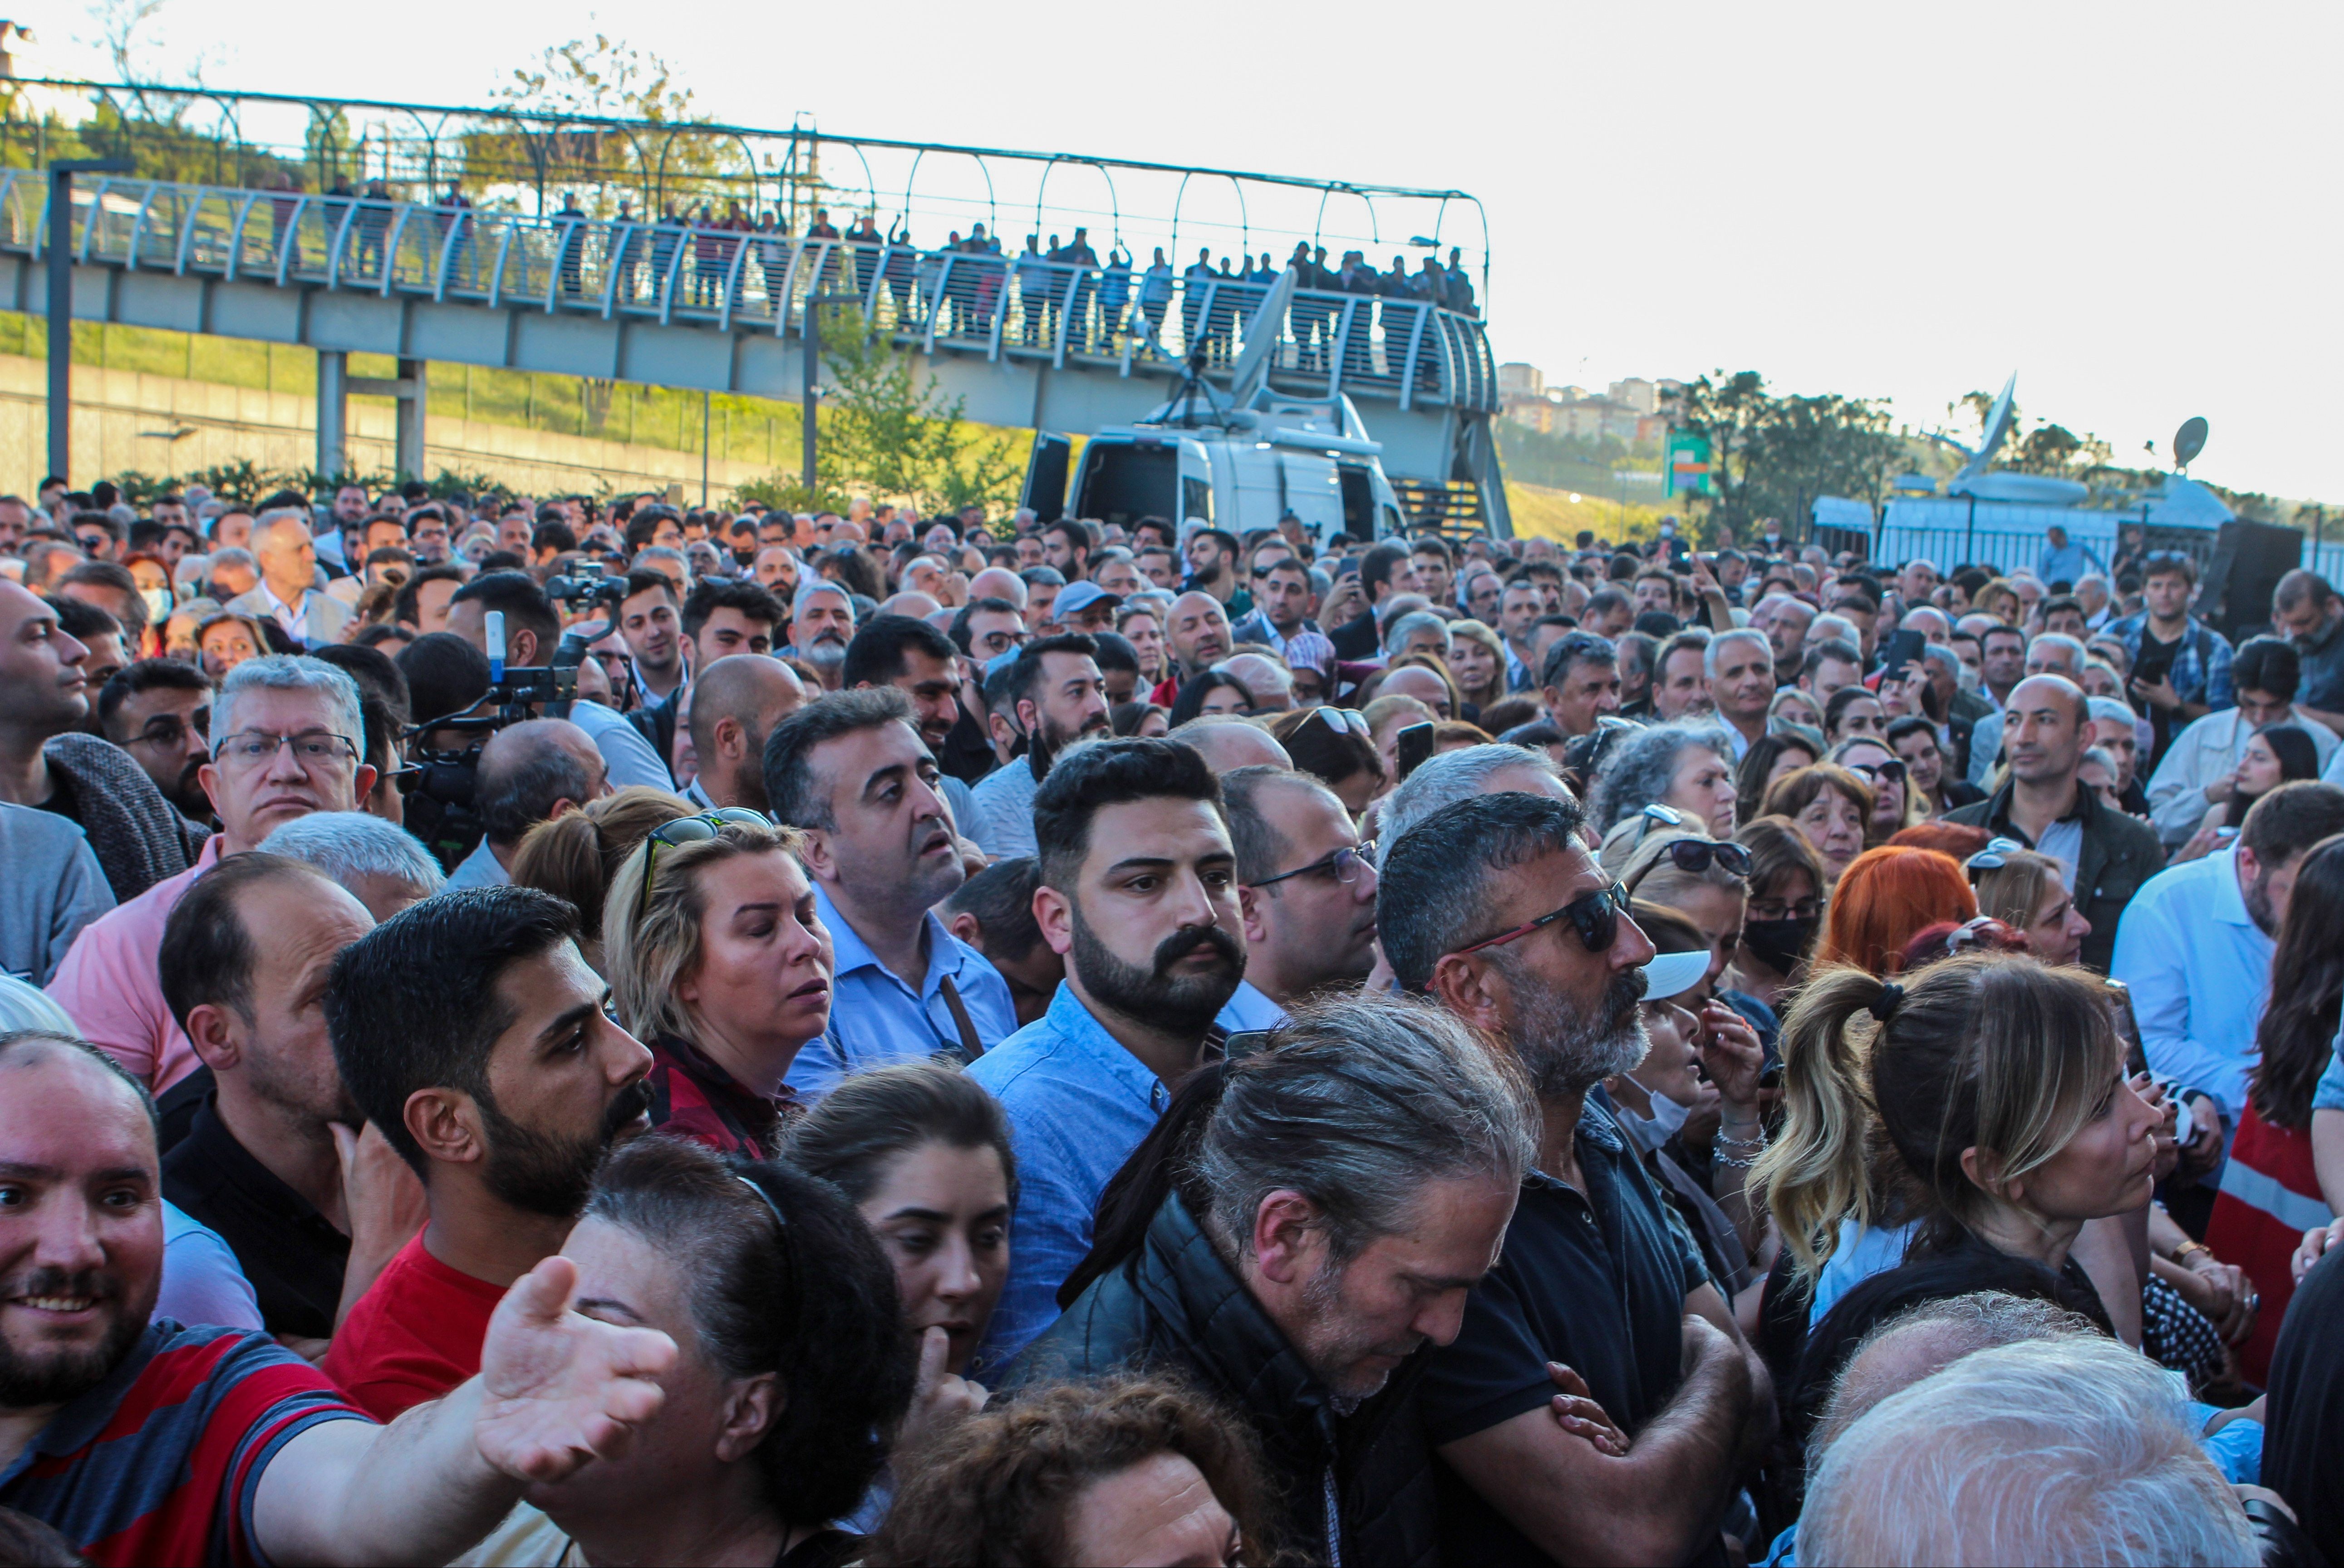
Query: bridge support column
x=408, y=387
x=333, y=411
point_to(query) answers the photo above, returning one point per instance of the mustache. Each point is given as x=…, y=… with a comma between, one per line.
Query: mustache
x=99, y=1285
x=1181, y=943
x=631, y=1102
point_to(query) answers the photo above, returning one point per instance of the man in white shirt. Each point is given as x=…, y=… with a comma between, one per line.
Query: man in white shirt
x=2197, y=769
x=1306, y=893
x=2195, y=944
x=287, y=590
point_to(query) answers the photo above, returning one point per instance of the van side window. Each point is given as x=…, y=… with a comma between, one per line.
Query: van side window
x=1197, y=499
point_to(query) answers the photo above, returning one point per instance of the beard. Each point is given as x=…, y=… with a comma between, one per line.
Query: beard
x=1152, y=995
x=545, y=1173
x=2257, y=900
x=1335, y=1358
x=27, y=1381
x=1566, y=1051
x=826, y=652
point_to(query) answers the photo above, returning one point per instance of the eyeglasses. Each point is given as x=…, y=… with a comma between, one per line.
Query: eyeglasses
x=1991, y=858
x=1339, y=720
x=1345, y=865
x=1695, y=856
x=1596, y=916
x=690, y=830
x=167, y=730
x=1891, y=772
x=312, y=748
x=1785, y=910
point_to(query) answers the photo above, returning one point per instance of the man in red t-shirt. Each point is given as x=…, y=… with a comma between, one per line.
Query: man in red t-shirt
x=142, y=1440
x=471, y=1031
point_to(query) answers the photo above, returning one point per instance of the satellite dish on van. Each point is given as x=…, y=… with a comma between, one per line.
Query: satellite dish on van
x=1997, y=429
x=2189, y=440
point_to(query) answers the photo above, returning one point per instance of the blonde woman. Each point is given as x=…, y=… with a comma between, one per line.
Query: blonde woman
x=1477, y=662
x=720, y=964
x=2028, y=893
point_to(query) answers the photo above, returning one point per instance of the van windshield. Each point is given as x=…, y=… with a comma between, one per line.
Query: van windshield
x=1122, y=482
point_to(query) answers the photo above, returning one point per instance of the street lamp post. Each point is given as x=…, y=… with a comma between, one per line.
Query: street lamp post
x=810, y=336
x=60, y=259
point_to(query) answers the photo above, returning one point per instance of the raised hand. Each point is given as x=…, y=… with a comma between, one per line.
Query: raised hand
x=938, y=1397
x=1731, y=1056
x=558, y=1389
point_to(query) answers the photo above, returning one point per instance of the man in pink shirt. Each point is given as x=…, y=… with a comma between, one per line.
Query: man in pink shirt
x=286, y=742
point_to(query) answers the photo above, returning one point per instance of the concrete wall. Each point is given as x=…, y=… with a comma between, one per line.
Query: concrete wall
x=162, y=425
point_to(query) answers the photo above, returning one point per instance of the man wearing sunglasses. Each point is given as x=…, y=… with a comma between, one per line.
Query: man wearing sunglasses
x=285, y=743
x=1306, y=893
x=1494, y=907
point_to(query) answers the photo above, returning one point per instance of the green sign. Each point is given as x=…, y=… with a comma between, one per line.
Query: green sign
x=1684, y=470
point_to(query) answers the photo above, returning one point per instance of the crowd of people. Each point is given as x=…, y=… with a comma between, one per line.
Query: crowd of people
x=540, y=1031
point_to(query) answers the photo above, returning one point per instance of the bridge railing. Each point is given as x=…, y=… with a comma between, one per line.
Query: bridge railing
x=1402, y=346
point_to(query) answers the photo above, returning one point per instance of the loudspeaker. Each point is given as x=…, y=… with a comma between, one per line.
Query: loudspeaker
x=2249, y=560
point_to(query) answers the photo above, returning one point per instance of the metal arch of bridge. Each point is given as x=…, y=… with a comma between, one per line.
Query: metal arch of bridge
x=1033, y=343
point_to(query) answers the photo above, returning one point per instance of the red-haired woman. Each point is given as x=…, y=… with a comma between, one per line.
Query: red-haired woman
x=1884, y=898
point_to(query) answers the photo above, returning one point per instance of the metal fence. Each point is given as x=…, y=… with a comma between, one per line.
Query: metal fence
x=1403, y=348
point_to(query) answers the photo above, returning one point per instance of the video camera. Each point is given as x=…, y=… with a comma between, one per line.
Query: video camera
x=440, y=794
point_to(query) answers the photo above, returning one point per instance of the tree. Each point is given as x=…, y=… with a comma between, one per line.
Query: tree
x=596, y=79
x=1772, y=456
x=889, y=430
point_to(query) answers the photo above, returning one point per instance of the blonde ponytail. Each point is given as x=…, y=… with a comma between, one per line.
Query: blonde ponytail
x=1816, y=1172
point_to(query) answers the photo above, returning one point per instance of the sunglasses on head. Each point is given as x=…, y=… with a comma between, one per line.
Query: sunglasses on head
x=1695, y=856
x=1339, y=719
x=690, y=830
x=1595, y=916
x=1892, y=771
x=1993, y=857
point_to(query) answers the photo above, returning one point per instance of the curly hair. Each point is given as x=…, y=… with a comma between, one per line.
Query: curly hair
x=994, y=1491
x=1641, y=769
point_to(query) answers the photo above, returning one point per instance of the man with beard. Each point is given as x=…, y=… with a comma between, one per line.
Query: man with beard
x=923, y=664
x=1306, y=893
x=243, y=965
x=851, y=769
x=1139, y=894
x=1058, y=696
x=470, y=1031
x=141, y=1439
x=1494, y=907
x=2194, y=945
x=821, y=625
x=158, y=711
x=1307, y=1222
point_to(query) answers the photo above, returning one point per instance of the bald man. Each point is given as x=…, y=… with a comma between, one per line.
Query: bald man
x=287, y=591
x=1198, y=635
x=735, y=704
x=2106, y=855
x=998, y=582
x=529, y=773
x=1229, y=742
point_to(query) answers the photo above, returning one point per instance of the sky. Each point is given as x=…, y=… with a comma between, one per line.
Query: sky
x=2127, y=205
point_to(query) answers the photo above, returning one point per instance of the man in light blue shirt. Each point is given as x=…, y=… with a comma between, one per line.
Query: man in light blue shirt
x=1138, y=892
x=1306, y=893
x=850, y=768
x=2195, y=944
x=2061, y=561
x=1058, y=696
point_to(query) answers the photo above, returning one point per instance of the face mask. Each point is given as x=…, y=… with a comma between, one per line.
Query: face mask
x=1780, y=944
x=1649, y=1132
x=159, y=604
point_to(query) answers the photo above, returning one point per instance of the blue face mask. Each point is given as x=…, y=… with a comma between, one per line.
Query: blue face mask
x=1649, y=1132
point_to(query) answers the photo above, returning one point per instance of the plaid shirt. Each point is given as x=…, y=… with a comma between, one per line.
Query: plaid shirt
x=2201, y=665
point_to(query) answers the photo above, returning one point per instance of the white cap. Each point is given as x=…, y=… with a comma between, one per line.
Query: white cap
x=1671, y=975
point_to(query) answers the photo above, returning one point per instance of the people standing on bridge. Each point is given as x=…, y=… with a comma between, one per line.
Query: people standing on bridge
x=1115, y=295
x=1083, y=261
x=1459, y=295
x=1155, y=298
x=453, y=220
x=865, y=237
x=571, y=220
x=1034, y=288
x=667, y=239
x=900, y=271
x=1195, y=284
x=1358, y=277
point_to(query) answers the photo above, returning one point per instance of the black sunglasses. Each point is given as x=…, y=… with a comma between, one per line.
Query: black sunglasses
x=690, y=830
x=1695, y=856
x=1892, y=771
x=1595, y=916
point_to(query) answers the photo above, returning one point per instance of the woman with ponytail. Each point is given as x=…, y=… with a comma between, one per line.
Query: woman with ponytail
x=1982, y=1103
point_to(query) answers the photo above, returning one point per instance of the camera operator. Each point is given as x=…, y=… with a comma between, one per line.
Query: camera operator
x=532, y=631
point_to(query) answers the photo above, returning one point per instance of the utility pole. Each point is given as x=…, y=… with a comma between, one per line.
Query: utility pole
x=60, y=260
x=810, y=335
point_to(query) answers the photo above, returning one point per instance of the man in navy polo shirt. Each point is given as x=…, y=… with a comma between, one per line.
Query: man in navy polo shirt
x=142, y=1440
x=1494, y=907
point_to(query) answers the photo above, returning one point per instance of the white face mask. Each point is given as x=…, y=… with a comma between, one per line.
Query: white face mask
x=1649, y=1132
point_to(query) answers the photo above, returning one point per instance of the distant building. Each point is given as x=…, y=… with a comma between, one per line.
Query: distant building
x=1628, y=411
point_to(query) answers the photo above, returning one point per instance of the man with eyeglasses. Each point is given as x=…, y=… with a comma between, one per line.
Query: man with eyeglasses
x=1306, y=893
x=1494, y=907
x=159, y=711
x=286, y=733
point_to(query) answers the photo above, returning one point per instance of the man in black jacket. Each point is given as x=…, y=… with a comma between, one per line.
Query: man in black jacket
x=2047, y=726
x=1386, y=571
x=1303, y=1222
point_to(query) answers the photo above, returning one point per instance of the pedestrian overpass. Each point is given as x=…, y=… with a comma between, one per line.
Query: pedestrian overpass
x=1022, y=341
